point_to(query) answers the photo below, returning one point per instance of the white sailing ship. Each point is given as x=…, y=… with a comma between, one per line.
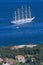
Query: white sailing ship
x=25, y=19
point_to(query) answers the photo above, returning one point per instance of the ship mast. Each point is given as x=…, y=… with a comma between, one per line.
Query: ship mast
x=15, y=15
x=22, y=13
x=29, y=12
x=26, y=12
x=18, y=14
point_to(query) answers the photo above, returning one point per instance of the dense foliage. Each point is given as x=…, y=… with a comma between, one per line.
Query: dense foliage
x=37, y=52
x=7, y=52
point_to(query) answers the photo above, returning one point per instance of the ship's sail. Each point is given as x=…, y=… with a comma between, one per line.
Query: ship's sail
x=22, y=13
x=29, y=12
x=18, y=14
x=25, y=19
x=26, y=12
x=15, y=16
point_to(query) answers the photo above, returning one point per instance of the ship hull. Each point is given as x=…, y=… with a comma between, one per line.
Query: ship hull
x=23, y=21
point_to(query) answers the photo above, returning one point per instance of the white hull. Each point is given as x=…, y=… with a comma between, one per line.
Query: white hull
x=22, y=21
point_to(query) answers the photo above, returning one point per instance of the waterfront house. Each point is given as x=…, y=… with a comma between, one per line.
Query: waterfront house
x=20, y=58
x=31, y=45
x=21, y=46
x=14, y=47
x=5, y=63
x=10, y=60
x=1, y=60
x=17, y=47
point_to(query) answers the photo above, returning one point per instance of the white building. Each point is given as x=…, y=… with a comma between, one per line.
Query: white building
x=5, y=64
x=20, y=58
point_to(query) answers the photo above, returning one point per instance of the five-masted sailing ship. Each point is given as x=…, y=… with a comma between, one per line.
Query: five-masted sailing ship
x=25, y=19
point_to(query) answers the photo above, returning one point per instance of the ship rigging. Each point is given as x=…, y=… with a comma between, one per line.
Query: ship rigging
x=25, y=19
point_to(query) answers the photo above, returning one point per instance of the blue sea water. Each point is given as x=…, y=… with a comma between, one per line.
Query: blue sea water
x=27, y=33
